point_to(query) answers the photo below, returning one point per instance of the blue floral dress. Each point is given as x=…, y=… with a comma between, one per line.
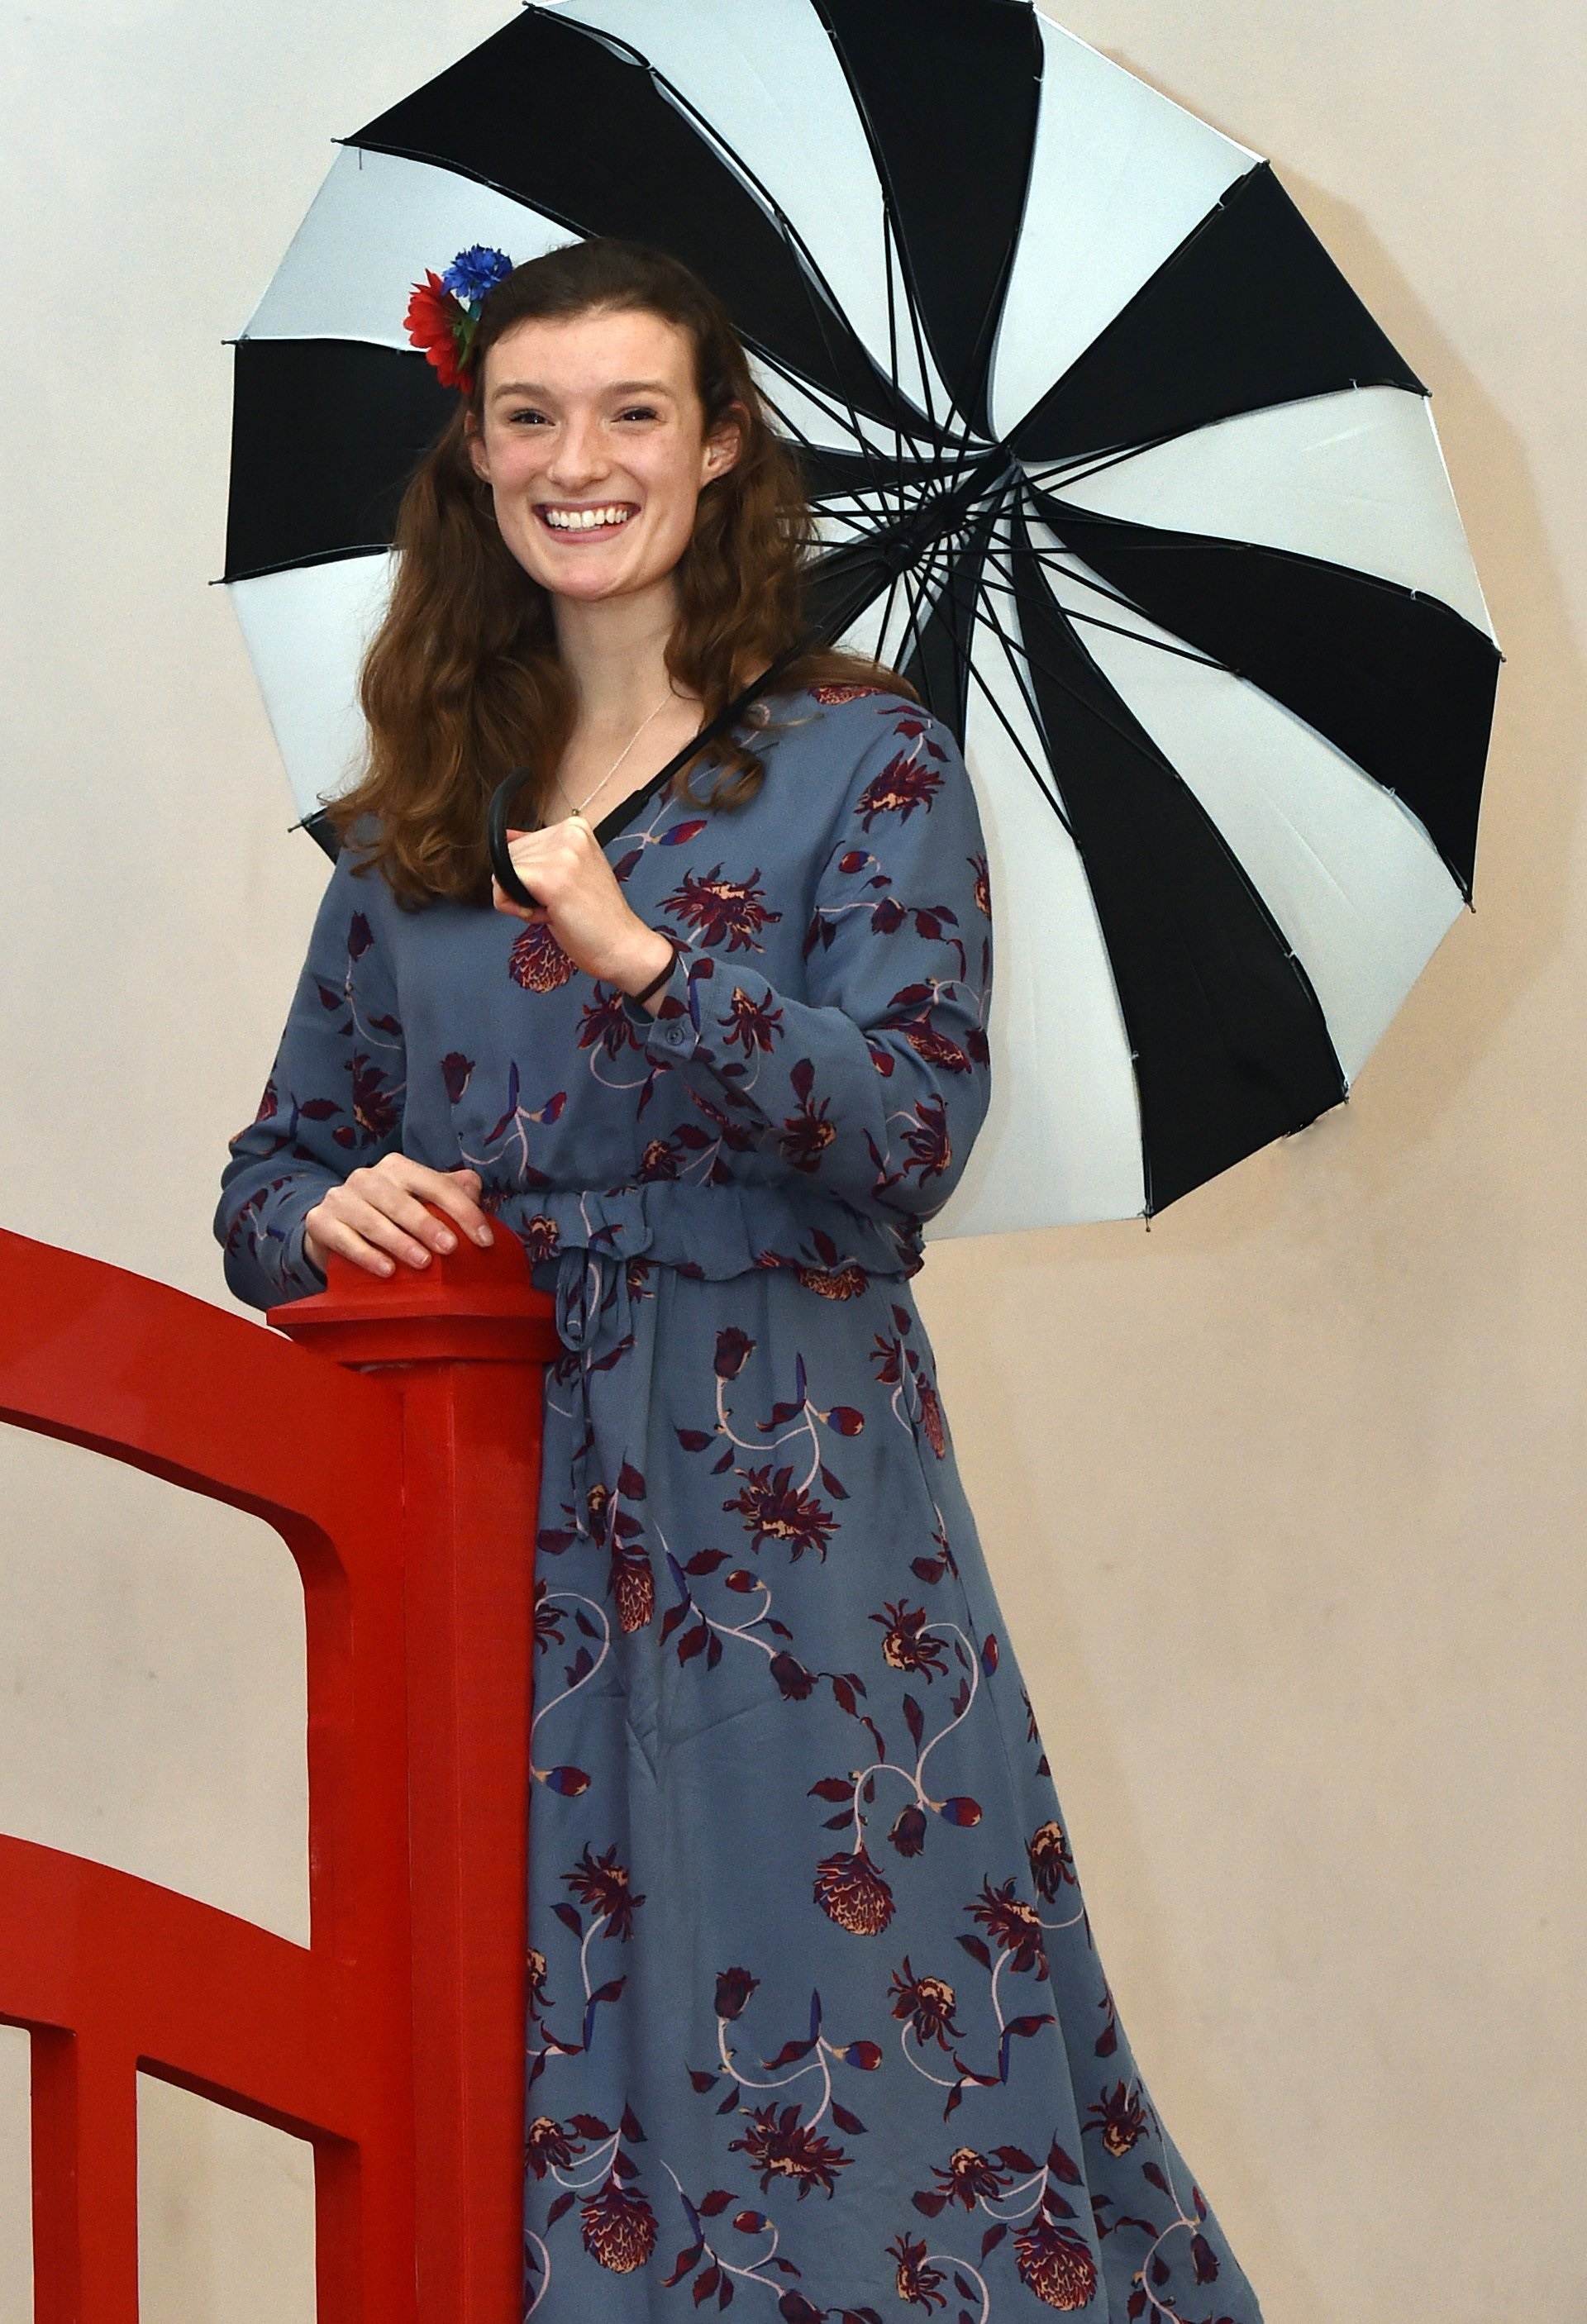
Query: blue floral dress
x=817, y=2024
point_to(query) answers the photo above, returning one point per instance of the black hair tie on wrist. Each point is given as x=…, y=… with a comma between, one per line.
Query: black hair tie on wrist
x=660, y=976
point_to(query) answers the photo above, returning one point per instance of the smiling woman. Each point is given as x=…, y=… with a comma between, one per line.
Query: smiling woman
x=602, y=374
x=814, y=2000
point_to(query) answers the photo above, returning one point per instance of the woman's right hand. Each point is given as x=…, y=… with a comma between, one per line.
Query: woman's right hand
x=376, y=1216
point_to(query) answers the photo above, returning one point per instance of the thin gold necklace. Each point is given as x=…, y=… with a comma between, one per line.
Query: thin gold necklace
x=617, y=763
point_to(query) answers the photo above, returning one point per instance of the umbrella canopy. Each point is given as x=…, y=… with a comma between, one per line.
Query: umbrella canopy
x=1107, y=459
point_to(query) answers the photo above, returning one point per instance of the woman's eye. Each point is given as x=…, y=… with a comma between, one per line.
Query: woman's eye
x=638, y=411
x=528, y=413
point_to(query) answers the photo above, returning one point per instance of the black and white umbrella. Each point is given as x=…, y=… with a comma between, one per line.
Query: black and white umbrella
x=1134, y=489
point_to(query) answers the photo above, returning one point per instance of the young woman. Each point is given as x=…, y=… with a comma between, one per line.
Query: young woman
x=816, y=2019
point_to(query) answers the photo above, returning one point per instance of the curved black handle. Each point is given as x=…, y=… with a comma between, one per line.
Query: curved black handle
x=496, y=833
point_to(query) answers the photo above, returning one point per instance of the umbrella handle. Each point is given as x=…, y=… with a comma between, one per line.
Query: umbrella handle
x=503, y=796
x=495, y=832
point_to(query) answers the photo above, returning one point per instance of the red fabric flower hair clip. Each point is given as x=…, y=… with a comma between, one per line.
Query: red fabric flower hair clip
x=444, y=311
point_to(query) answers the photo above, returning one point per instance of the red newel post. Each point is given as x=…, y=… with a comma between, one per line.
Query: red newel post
x=464, y=1343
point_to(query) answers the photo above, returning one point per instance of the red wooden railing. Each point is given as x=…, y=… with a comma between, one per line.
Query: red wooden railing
x=395, y=2040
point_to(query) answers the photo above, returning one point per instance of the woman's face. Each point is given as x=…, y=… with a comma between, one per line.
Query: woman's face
x=589, y=417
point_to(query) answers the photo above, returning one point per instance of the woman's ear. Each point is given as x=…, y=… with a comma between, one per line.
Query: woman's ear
x=474, y=444
x=725, y=445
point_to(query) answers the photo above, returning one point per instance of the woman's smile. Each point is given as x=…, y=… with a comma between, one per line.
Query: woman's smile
x=596, y=521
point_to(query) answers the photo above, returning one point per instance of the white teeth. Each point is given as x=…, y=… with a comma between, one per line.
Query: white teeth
x=583, y=520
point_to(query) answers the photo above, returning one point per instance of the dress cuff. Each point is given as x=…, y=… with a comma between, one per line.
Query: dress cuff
x=672, y=1032
x=297, y=1277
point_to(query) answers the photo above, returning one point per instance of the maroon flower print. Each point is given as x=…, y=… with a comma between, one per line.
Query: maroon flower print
x=909, y=1834
x=926, y=2004
x=542, y=1236
x=851, y=1891
x=267, y=1104
x=936, y=1048
x=1203, y=2259
x=730, y=911
x=967, y=2176
x=931, y=1417
x=916, y=2283
x=908, y=1645
x=807, y=1134
x=835, y=1283
x=1056, y=2264
x=456, y=1069
x=547, y=1618
x=602, y=1882
x=1051, y=1863
x=547, y=2147
x=834, y=692
x=983, y=884
x=537, y=1973
x=619, y=2227
x=603, y=1023
x=1015, y=1925
x=374, y=1109
x=633, y=1586
x=733, y=1349
x=734, y=1988
x=749, y=1025
x=774, y=1509
x=795, y=1683
x=930, y=1149
x=1120, y=2116
x=779, y=2145
x=537, y=961
x=905, y=783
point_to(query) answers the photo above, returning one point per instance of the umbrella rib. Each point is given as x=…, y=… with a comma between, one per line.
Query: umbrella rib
x=1007, y=723
x=915, y=583
x=1048, y=557
x=889, y=243
x=1159, y=645
x=1136, y=741
x=1011, y=653
x=966, y=658
x=892, y=326
x=809, y=273
x=964, y=440
x=1086, y=464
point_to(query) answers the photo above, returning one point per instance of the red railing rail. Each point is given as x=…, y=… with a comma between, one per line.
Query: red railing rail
x=394, y=2040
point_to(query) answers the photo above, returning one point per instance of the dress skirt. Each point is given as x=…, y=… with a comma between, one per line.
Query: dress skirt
x=817, y=2022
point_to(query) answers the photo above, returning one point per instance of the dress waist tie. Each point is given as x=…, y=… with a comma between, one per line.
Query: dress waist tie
x=610, y=1328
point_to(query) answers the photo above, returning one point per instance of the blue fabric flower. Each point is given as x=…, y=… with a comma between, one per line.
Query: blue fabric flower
x=476, y=271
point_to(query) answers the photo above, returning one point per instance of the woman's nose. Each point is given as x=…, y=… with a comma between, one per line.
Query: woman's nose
x=578, y=457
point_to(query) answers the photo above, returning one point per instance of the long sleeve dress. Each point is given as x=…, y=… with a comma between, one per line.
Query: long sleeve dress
x=816, y=2023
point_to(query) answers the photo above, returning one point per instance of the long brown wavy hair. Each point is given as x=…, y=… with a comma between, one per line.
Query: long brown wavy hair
x=463, y=683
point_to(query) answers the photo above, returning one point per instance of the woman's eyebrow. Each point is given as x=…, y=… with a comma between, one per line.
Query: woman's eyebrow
x=617, y=387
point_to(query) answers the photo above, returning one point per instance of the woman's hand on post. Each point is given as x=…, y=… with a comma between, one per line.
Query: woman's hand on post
x=581, y=904
x=376, y=1216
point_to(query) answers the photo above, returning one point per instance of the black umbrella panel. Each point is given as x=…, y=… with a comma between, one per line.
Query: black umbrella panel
x=1107, y=459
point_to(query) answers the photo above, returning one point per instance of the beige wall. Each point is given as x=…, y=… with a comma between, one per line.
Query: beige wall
x=1283, y=1497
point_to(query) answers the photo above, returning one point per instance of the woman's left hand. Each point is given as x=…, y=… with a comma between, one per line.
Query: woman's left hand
x=581, y=904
